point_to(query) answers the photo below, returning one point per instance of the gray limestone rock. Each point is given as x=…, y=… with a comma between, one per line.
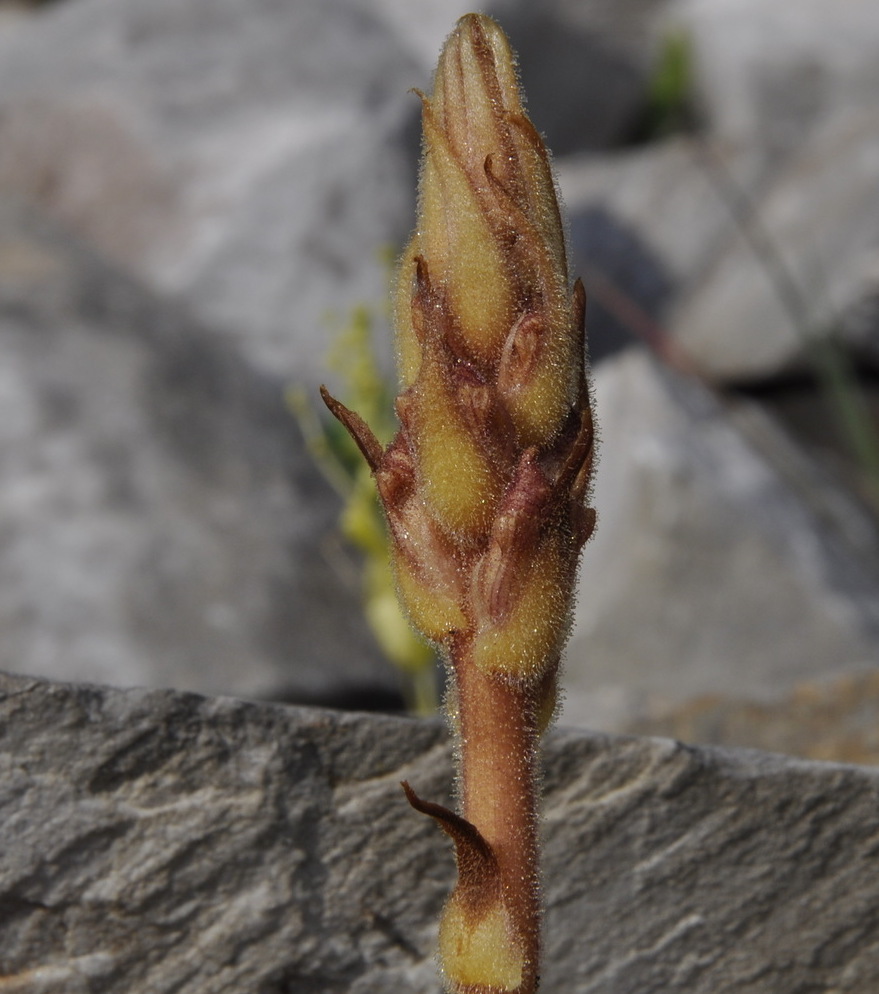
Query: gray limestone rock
x=157, y=841
x=792, y=86
x=689, y=202
x=161, y=522
x=245, y=155
x=769, y=71
x=819, y=210
x=259, y=158
x=787, y=158
x=723, y=561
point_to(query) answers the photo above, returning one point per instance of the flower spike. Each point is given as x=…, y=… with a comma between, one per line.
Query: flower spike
x=484, y=485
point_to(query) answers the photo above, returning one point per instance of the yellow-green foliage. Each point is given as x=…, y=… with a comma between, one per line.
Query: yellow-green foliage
x=362, y=522
x=670, y=91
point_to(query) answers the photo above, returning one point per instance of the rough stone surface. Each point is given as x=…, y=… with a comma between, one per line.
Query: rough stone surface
x=769, y=72
x=722, y=562
x=688, y=204
x=835, y=719
x=788, y=153
x=793, y=87
x=819, y=209
x=241, y=154
x=160, y=520
x=158, y=842
x=260, y=157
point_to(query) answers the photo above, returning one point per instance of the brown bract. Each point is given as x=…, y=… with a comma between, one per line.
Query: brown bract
x=485, y=482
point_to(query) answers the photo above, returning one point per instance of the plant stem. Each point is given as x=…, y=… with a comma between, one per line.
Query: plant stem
x=497, y=718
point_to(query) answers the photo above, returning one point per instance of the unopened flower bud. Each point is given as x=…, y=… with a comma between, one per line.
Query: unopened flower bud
x=491, y=238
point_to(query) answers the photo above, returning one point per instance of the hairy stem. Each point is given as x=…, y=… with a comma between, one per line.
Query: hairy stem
x=498, y=744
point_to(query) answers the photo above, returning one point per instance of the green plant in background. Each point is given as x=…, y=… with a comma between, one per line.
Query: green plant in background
x=670, y=89
x=352, y=358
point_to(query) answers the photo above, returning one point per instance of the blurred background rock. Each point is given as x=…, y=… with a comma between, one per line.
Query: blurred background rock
x=193, y=193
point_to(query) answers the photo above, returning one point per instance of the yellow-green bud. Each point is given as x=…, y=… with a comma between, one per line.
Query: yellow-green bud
x=490, y=236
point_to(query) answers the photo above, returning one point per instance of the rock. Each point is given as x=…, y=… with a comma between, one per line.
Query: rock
x=752, y=317
x=629, y=286
x=765, y=225
x=792, y=86
x=162, y=523
x=660, y=192
x=735, y=310
x=159, y=841
x=243, y=155
x=722, y=562
x=769, y=72
x=586, y=66
x=259, y=159
x=835, y=720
